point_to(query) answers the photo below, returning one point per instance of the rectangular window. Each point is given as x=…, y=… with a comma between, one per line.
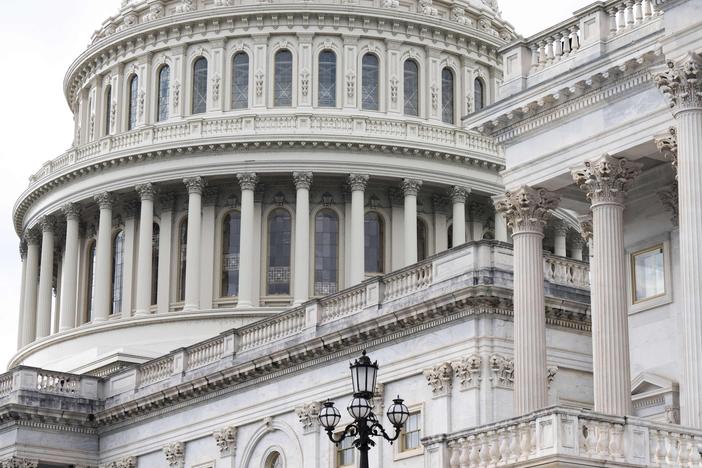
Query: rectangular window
x=648, y=273
x=345, y=453
x=411, y=433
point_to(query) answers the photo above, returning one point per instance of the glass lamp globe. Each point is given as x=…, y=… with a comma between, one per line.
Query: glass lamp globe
x=398, y=413
x=329, y=416
x=359, y=408
x=363, y=375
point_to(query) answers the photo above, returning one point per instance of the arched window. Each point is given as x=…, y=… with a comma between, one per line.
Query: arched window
x=411, y=84
x=274, y=460
x=421, y=240
x=327, y=79
x=117, y=271
x=370, y=82
x=283, y=79
x=154, y=263
x=447, y=95
x=108, y=109
x=240, y=81
x=479, y=94
x=133, y=101
x=200, y=86
x=374, y=234
x=279, y=238
x=182, y=257
x=326, y=253
x=90, y=303
x=164, y=93
x=231, y=235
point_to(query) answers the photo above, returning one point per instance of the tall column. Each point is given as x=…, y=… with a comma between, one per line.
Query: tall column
x=526, y=210
x=560, y=231
x=207, y=247
x=303, y=181
x=69, y=282
x=606, y=181
x=195, y=186
x=478, y=213
x=440, y=206
x=163, y=295
x=130, y=210
x=145, y=255
x=29, y=331
x=23, y=288
x=103, y=259
x=410, y=189
x=357, y=272
x=247, y=182
x=458, y=198
x=397, y=240
x=681, y=84
x=46, y=274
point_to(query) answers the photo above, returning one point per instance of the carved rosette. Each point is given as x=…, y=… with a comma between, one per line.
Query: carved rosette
x=303, y=180
x=247, y=180
x=226, y=440
x=458, y=194
x=467, y=371
x=607, y=179
x=358, y=182
x=194, y=185
x=308, y=415
x=527, y=209
x=175, y=454
x=669, y=198
x=681, y=83
x=410, y=187
x=71, y=211
x=105, y=200
x=146, y=191
x=440, y=379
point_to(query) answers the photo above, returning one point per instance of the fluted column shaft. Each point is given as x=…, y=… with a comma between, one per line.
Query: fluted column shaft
x=248, y=182
x=357, y=272
x=195, y=186
x=526, y=210
x=46, y=274
x=145, y=254
x=23, y=288
x=410, y=188
x=301, y=282
x=103, y=260
x=69, y=281
x=30, y=291
x=458, y=199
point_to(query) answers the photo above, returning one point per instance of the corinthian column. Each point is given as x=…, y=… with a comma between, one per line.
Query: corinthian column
x=145, y=255
x=195, y=185
x=247, y=182
x=301, y=282
x=410, y=188
x=46, y=274
x=458, y=198
x=526, y=210
x=69, y=282
x=681, y=84
x=29, y=319
x=103, y=260
x=357, y=271
x=606, y=181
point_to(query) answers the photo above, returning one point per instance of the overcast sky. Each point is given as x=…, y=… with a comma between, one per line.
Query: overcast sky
x=40, y=40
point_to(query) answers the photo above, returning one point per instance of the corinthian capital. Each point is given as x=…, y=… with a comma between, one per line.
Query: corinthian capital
x=681, y=83
x=440, y=378
x=194, y=184
x=668, y=145
x=308, y=415
x=527, y=209
x=669, y=198
x=411, y=186
x=458, y=194
x=146, y=191
x=247, y=180
x=226, y=440
x=175, y=454
x=607, y=179
x=358, y=182
x=303, y=180
x=105, y=200
x=71, y=211
x=47, y=223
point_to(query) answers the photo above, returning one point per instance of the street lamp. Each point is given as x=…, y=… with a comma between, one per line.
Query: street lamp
x=365, y=423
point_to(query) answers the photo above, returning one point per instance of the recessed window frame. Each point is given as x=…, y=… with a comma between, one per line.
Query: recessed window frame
x=640, y=305
x=400, y=451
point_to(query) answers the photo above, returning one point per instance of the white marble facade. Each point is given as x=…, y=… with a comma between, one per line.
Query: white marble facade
x=258, y=191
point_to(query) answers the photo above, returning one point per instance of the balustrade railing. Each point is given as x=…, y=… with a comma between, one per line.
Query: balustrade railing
x=205, y=353
x=343, y=303
x=5, y=384
x=407, y=281
x=562, y=270
x=272, y=329
x=54, y=382
x=155, y=371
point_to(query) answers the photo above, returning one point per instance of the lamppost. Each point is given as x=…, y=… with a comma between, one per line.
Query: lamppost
x=365, y=424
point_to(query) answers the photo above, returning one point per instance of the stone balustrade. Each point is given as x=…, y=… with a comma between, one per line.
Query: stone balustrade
x=155, y=371
x=48, y=382
x=566, y=271
x=557, y=434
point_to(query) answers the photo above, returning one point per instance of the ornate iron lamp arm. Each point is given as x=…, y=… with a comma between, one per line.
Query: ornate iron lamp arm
x=349, y=431
x=378, y=430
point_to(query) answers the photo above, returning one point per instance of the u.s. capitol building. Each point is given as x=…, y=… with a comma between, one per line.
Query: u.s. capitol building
x=258, y=191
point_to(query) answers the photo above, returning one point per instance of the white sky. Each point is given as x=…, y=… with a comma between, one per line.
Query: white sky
x=40, y=40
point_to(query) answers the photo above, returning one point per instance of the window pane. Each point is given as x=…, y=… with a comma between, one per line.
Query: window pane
x=326, y=243
x=108, y=109
x=231, y=235
x=200, y=86
x=411, y=433
x=421, y=240
x=279, y=235
x=649, y=274
x=182, y=256
x=370, y=78
x=117, y=271
x=327, y=79
x=411, y=88
x=447, y=95
x=240, y=81
x=374, y=240
x=164, y=90
x=345, y=452
x=478, y=94
x=133, y=102
x=91, y=280
x=283, y=90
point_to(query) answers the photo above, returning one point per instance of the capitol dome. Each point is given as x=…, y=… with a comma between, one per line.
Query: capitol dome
x=233, y=159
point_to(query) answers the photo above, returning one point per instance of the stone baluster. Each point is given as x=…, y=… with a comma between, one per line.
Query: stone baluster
x=549, y=50
x=534, y=56
x=647, y=9
x=357, y=271
x=301, y=282
x=681, y=84
x=542, y=53
x=46, y=274
x=606, y=181
x=145, y=255
x=566, y=41
x=247, y=182
x=458, y=199
x=69, y=282
x=195, y=186
x=558, y=51
x=410, y=188
x=621, y=17
x=629, y=11
x=574, y=38
x=526, y=210
x=28, y=325
x=103, y=260
x=638, y=11
x=612, y=21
